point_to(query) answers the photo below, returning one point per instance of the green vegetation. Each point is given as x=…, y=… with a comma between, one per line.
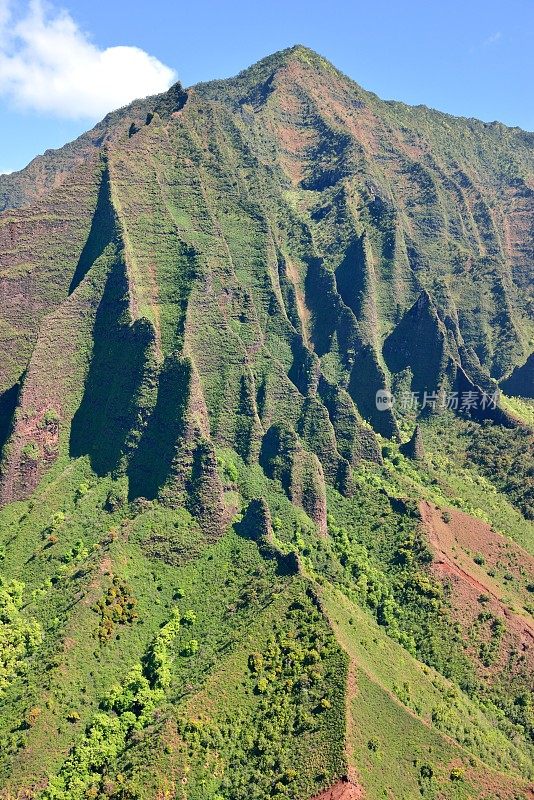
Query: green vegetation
x=115, y=606
x=506, y=458
x=127, y=708
x=243, y=580
x=293, y=687
x=19, y=637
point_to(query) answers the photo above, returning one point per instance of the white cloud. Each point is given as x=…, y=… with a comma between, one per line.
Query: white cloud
x=492, y=39
x=48, y=64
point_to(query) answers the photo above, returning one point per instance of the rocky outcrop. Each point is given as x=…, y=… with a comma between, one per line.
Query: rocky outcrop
x=40, y=246
x=308, y=489
x=420, y=342
x=257, y=522
x=249, y=430
x=256, y=525
x=317, y=433
x=300, y=472
x=414, y=447
x=355, y=440
x=278, y=281
x=476, y=404
x=83, y=389
x=204, y=498
x=175, y=458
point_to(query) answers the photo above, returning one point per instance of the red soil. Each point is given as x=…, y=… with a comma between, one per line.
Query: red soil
x=342, y=790
x=493, y=785
x=454, y=544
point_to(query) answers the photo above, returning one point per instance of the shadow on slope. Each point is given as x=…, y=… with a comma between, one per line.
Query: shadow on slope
x=118, y=377
x=8, y=404
x=151, y=463
x=101, y=234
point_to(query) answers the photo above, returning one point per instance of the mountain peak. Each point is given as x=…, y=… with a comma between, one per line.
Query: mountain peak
x=298, y=53
x=266, y=68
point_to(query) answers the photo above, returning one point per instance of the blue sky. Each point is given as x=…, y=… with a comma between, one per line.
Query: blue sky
x=63, y=64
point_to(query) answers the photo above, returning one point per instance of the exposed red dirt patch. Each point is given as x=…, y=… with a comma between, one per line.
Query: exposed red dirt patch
x=43, y=436
x=493, y=785
x=104, y=568
x=456, y=543
x=342, y=790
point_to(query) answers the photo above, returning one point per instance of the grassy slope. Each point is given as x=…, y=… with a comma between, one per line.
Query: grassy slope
x=405, y=715
x=80, y=670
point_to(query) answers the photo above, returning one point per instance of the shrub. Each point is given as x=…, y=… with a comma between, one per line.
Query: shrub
x=57, y=520
x=114, y=500
x=19, y=637
x=51, y=418
x=31, y=451
x=76, y=554
x=426, y=771
x=32, y=716
x=191, y=648
x=81, y=491
x=373, y=744
x=158, y=659
x=117, y=605
x=228, y=469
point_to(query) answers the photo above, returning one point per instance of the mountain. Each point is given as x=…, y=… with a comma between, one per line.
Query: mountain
x=266, y=525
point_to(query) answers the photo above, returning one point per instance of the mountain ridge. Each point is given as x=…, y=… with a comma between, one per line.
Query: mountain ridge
x=255, y=429
x=151, y=101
